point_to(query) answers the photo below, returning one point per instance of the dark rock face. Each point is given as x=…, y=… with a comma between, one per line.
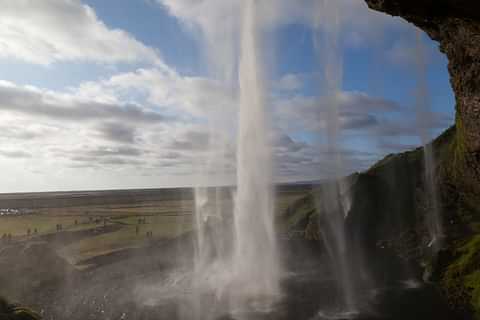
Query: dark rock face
x=12, y=312
x=386, y=229
x=456, y=25
x=428, y=8
x=389, y=207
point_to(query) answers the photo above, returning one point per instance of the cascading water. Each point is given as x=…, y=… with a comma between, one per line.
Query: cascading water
x=212, y=220
x=255, y=260
x=330, y=206
x=424, y=124
x=237, y=257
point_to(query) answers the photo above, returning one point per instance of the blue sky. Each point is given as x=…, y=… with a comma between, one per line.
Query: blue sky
x=101, y=94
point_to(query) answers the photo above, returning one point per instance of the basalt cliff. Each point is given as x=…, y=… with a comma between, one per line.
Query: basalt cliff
x=455, y=24
x=389, y=202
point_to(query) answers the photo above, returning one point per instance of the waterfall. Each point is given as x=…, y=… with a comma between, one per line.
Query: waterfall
x=256, y=261
x=237, y=257
x=424, y=124
x=212, y=210
x=330, y=201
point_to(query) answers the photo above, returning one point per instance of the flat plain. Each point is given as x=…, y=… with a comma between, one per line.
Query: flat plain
x=86, y=225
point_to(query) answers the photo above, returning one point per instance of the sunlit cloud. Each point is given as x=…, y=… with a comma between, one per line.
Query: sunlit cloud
x=47, y=31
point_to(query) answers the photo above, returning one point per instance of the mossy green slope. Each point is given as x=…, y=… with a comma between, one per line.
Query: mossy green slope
x=461, y=280
x=388, y=210
x=12, y=312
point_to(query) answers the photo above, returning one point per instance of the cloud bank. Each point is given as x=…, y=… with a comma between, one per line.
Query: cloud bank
x=152, y=125
x=47, y=31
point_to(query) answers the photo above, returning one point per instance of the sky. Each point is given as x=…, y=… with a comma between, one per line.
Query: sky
x=109, y=94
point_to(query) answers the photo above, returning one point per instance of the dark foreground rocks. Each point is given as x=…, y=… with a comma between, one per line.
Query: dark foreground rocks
x=13, y=312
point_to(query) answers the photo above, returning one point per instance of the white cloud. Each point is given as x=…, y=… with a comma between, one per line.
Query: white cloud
x=359, y=24
x=153, y=121
x=406, y=50
x=76, y=131
x=80, y=134
x=46, y=31
x=290, y=82
x=306, y=113
x=298, y=160
x=183, y=96
x=15, y=154
x=59, y=106
x=403, y=52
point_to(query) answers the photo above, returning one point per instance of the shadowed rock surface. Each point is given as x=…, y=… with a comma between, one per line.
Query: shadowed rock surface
x=455, y=24
x=13, y=312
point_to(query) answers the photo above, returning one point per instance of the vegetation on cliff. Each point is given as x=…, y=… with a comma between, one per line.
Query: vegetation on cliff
x=460, y=269
x=456, y=26
x=13, y=312
x=388, y=213
x=462, y=277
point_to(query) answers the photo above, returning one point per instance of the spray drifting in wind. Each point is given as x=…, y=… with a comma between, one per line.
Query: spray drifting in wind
x=256, y=262
x=330, y=202
x=424, y=123
x=247, y=269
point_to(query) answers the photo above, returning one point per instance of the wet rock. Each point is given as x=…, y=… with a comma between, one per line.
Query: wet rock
x=13, y=312
x=455, y=24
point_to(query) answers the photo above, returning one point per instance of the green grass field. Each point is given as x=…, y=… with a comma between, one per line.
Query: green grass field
x=165, y=219
x=18, y=226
